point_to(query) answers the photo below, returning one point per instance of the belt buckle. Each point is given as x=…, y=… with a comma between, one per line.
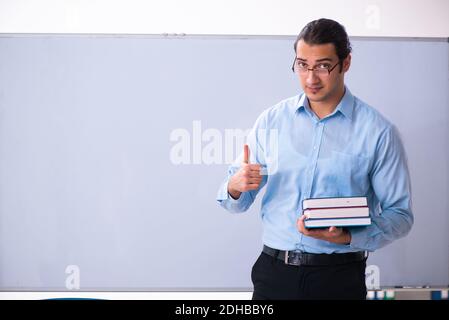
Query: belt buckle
x=295, y=262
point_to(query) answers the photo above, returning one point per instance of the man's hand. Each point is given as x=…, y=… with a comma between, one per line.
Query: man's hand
x=247, y=178
x=332, y=234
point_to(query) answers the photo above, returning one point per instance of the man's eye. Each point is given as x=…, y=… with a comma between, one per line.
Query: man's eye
x=302, y=65
x=323, y=66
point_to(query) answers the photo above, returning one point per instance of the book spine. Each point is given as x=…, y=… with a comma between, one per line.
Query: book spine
x=343, y=207
x=336, y=203
x=340, y=218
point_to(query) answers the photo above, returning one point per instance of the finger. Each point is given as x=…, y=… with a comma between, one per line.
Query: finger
x=253, y=186
x=316, y=233
x=254, y=180
x=254, y=167
x=335, y=230
x=247, y=172
x=246, y=154
x=251, y=167
x=300, y=225
x=253, y=175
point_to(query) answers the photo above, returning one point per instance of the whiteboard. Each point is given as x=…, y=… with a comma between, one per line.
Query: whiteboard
x=92, y=183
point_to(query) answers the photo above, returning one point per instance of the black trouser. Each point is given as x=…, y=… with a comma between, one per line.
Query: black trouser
x=274, y=280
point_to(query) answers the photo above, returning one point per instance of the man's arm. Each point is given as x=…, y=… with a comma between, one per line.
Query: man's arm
x=391, y=184
x=390, y=181
x=238, y=191
x=247, y=178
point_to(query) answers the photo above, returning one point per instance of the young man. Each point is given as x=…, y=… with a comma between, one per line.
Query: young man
x=330, y=144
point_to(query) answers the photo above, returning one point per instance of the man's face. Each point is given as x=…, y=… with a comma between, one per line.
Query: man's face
x=320, y=87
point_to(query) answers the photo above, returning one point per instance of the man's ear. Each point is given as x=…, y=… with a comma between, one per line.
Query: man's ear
x=347, y=63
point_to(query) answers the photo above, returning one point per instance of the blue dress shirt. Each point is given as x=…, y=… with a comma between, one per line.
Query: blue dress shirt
x=354, y=151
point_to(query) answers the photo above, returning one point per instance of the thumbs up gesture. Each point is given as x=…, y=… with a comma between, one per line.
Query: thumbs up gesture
x=247, y=178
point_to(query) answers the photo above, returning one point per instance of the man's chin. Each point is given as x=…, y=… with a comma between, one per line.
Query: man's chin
x=315, y=97
x=315, y=94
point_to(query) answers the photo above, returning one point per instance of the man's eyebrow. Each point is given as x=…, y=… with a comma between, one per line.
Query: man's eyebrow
x=324, y=59
x=319, y=60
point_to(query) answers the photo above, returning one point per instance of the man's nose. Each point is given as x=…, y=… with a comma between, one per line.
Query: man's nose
x=311, y=78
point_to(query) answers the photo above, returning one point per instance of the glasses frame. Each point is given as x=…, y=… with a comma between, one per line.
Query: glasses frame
x=313, y=69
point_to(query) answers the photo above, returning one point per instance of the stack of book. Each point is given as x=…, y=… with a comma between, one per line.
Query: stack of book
x=338, y=212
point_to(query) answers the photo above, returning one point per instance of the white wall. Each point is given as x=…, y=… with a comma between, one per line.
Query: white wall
x=398, y=18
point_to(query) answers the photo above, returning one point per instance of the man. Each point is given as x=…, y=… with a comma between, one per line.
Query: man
x=330, y=144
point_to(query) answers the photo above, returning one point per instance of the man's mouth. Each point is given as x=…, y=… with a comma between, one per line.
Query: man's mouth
x=314, y=89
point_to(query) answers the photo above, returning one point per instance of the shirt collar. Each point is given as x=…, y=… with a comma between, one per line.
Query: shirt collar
x=303, y=105
x=345, y=106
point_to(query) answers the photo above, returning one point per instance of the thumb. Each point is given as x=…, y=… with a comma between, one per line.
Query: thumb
x=246, y=154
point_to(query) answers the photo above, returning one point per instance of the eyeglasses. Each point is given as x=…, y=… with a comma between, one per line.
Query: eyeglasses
x=322, y=69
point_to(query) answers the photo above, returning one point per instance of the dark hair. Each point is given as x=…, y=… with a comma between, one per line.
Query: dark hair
x=324, y=31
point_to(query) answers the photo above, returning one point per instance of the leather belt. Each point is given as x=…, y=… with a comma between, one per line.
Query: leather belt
x=299, y=258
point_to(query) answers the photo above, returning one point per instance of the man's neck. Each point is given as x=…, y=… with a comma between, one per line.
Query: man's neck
x=324, y=108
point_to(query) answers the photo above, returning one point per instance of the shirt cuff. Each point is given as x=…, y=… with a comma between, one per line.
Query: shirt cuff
x=227, y=201
x=223, y=194
x=362, y=238
x=358, y=238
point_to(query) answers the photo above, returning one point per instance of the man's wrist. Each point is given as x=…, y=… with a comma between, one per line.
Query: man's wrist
x=234, y=193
